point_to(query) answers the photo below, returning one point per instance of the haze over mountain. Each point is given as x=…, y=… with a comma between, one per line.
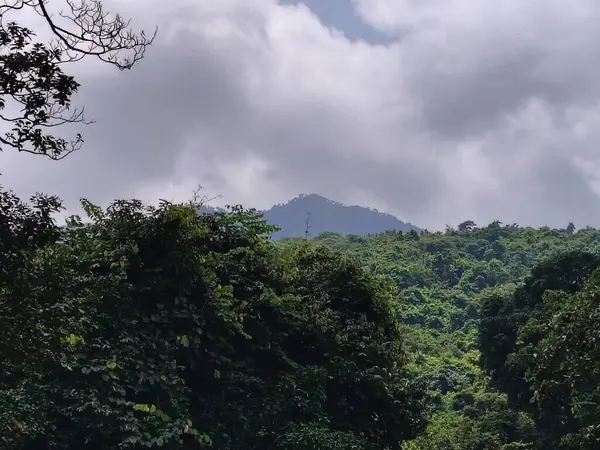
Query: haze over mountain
x=327, y=215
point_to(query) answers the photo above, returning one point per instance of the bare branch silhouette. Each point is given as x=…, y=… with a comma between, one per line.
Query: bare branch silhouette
x=32, y=80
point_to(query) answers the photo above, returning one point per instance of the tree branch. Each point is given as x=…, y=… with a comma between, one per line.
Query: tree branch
x=31, y=77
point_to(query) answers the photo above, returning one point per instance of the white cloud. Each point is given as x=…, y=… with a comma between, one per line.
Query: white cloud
x=480, y=110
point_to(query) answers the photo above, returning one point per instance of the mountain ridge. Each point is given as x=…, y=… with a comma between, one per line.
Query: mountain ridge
x=313, y=214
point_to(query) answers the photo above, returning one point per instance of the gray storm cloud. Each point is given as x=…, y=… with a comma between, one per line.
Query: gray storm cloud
x=472, y=110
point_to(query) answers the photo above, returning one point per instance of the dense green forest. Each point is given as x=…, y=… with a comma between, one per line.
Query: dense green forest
x=143, y=326
x=493, y=311
x=159, y=327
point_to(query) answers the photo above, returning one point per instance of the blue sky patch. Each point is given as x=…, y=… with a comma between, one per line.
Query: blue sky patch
x=341, y=15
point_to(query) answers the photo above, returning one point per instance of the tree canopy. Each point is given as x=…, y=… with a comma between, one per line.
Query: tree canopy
x=161, y=327
x=472, y=302
x=538, y=346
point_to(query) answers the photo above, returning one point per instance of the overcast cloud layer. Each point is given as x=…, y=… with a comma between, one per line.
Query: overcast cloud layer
x=446, y=110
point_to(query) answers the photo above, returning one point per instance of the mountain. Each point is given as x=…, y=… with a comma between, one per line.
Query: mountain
x=327, y=215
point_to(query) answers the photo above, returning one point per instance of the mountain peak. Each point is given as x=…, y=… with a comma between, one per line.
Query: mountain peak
x=329, y=215
x=325, y=215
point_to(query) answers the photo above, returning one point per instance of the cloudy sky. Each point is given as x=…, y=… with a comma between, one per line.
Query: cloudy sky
x=436, y=111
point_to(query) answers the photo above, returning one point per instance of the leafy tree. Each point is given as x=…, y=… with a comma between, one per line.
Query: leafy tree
x=442, y=319
x=370, y=395
x=34, y=90
x=85, y=364
x=487, y=423
x=564, y=372
x=513, y=338
x=467, y=225
x=160, y=327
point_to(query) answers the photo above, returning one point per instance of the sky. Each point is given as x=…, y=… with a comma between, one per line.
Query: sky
x=436, y=111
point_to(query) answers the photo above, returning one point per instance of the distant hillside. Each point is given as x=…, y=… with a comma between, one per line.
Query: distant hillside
x=327, y=215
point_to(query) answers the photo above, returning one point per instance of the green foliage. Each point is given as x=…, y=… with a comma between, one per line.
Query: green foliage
x=160, y=327
x=503, y=348
x=538, y=344
x=565, y=371
x=444, y=282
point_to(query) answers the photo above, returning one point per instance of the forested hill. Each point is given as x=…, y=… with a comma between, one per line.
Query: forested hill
x=316, y=214
x=443, y=279
x=148, y=327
